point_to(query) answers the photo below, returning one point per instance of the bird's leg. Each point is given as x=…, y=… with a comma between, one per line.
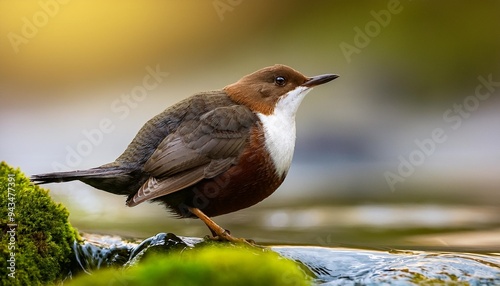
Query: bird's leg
x=217, y=231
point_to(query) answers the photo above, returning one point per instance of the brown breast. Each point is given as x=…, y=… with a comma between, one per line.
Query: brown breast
x=248, y=182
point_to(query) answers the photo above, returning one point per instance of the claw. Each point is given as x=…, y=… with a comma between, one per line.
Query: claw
x=219, y=233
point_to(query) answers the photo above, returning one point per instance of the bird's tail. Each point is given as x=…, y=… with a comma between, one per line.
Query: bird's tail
x=58, y=177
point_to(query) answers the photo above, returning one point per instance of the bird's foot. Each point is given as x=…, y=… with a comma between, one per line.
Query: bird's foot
x=219, y=233
x=226, y=236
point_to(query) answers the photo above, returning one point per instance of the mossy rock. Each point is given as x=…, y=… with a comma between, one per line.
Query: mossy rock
x=208, y=265
x=35, y=232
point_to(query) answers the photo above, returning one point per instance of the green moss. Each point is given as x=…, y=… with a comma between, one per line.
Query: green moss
x=35, y=229
x=210, y=265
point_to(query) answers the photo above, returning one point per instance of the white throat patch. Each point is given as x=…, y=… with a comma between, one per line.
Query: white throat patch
x=279, y=129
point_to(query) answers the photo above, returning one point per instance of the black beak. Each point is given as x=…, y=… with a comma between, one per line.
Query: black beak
x=319, y=79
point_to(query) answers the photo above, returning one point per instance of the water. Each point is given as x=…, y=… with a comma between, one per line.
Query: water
x=327, y=265
x=341, y=244
x=337, y=266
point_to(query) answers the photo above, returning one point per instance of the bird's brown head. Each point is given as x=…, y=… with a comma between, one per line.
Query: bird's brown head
x=262, y=90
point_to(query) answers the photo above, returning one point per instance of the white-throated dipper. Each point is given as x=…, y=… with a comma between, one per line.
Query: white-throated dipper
x=213, y=153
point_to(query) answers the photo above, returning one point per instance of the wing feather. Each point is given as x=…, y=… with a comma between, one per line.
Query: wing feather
x=201, y=148
x=154, y=188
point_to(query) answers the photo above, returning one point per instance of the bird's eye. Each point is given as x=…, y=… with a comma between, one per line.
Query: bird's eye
x=280, y=81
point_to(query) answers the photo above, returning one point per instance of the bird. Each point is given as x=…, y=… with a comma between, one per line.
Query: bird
x=210, y=154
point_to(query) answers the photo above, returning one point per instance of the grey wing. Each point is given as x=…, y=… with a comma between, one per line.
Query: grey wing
x=201, y=148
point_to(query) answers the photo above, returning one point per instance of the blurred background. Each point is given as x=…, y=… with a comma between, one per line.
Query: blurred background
x=78, y=80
